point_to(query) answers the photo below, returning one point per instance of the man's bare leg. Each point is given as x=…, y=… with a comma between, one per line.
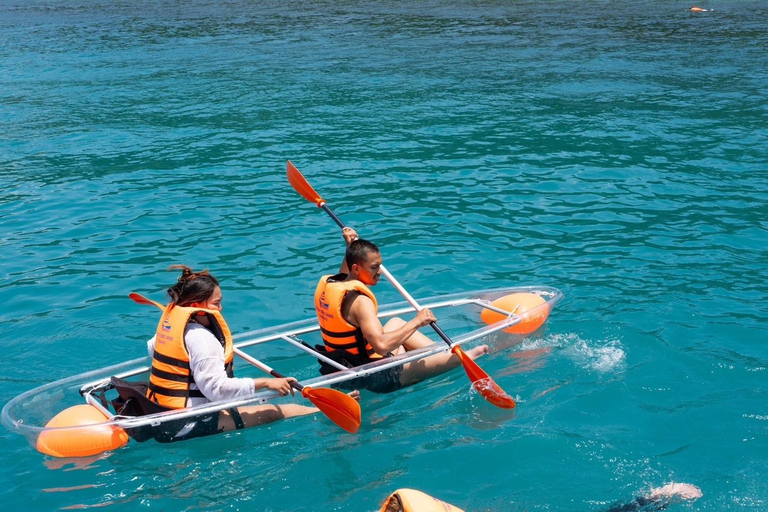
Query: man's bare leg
x=429, y=366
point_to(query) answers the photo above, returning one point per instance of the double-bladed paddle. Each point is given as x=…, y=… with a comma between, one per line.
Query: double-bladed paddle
x=342, y=409
x=480, y=380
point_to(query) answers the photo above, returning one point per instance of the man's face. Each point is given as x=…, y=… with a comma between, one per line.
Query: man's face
x=369, y=271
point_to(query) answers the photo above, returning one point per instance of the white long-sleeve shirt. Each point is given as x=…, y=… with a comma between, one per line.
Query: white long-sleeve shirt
x=206, y=363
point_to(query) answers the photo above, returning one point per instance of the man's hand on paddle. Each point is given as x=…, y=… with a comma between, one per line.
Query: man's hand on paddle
x=425, y=317
x=349, y=234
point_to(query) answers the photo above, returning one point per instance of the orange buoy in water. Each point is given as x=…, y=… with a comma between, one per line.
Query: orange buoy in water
x=531, y=307
x=94, y=437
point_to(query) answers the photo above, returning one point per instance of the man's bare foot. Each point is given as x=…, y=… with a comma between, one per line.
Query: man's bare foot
x=477, y=351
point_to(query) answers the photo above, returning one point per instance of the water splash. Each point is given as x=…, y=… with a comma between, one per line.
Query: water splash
x=596, y=355
x=493, y=393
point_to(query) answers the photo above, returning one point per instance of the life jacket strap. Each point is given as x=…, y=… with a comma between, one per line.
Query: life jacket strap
x=360, y=344
x=239, y=424
x=176, y=393
x=336, y=334
x=338, y=346
x=172, y=376
x=171, y=360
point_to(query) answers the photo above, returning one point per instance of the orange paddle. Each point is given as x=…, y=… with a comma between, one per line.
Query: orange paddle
x=342, y=409
x=480, y=380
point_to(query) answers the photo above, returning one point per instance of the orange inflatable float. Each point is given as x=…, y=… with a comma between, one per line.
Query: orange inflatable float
x=94, y=437
x=531, y=307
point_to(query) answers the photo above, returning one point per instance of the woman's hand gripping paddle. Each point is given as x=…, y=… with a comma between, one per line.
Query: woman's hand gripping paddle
x=342, y=409
x=480, y=380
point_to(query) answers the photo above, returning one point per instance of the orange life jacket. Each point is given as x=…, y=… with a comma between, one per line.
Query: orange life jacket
x=410, y=500
x=170, y=377
x=338, y=334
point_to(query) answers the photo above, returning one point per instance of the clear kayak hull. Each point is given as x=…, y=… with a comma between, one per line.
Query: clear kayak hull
x=461, y=315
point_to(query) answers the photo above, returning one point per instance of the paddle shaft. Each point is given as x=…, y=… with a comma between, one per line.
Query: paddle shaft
x=482, y=382
x=261, y=366
x=392, y=280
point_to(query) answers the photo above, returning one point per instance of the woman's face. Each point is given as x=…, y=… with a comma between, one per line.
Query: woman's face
x=213, y=302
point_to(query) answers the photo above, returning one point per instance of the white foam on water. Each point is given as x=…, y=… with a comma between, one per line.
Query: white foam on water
x=602, y=356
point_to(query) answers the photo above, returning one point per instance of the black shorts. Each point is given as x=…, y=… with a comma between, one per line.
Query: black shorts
x=385, y=381
x=189, y=428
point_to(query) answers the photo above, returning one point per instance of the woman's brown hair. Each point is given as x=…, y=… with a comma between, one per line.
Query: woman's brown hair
x=192, y=287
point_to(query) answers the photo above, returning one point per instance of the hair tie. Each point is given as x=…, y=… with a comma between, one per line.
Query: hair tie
x=186, y=274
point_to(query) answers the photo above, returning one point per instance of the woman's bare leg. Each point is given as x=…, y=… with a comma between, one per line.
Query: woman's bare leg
x=263, y=414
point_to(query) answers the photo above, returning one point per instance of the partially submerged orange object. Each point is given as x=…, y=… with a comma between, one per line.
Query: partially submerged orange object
x=92, y=438
x=411, y=500
x=532, y=308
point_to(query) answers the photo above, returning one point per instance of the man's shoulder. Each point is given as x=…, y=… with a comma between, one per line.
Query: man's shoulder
x=337, y=278
x=357, y=306
x=355, y=297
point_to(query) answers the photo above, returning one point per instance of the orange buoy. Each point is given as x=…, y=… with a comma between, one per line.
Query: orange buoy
x=531, y=307
x=93, y=438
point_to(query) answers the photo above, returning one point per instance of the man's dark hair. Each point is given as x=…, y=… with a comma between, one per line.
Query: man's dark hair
x=358, y=251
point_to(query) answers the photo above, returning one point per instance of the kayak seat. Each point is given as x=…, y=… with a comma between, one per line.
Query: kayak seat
x=132, y=401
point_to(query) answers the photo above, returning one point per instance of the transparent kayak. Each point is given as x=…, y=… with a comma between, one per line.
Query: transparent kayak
x=459, y=315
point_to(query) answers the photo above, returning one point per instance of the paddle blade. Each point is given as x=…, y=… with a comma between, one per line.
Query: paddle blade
x=297, y=181
x=140, y=299
x=482, y=382
x=342, y=409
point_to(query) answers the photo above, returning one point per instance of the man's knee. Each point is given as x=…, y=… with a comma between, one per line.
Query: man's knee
x=394, y=324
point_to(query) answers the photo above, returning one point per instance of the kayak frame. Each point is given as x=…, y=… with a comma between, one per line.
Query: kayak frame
x=95, y=383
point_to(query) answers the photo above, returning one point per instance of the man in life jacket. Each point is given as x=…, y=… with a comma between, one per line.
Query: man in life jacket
x=353, y=334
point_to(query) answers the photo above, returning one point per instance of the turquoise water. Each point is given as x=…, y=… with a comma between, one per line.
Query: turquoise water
x=615, y=150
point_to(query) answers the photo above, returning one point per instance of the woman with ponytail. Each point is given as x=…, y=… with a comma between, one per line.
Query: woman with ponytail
x=192, y=362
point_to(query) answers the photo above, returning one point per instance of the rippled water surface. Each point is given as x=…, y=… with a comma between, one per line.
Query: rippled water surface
x=615, y=150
